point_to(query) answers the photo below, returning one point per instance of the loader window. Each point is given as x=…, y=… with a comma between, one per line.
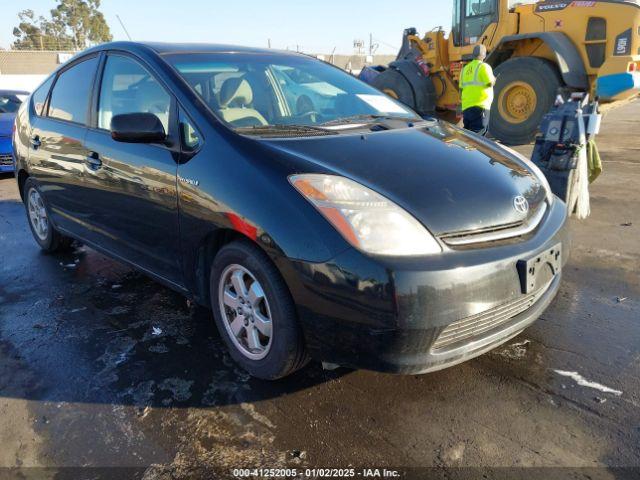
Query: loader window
x=478, y=15
x=456, y=31
x=479, y=7
x=596, y=41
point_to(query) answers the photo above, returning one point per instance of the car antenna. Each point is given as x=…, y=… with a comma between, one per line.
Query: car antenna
x=123, y=27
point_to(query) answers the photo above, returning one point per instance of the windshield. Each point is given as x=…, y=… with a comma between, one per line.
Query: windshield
x=257, y=91
x=9, y=103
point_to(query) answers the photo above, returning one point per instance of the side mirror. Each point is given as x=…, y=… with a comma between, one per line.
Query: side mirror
x=137, y=128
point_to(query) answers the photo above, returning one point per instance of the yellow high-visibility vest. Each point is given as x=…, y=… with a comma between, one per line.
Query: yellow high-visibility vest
x=475, y=81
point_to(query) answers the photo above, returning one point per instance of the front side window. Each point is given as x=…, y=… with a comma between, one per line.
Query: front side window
x=71, y=92
x=127, y=87
x=253, y=91
x=39, y=96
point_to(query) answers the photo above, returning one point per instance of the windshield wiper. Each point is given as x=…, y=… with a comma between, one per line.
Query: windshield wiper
x=364, y=117
x=280, y=129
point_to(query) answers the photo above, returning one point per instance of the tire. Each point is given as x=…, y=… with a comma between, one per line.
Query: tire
x=522, y=77
x=274, y=356
x=396, y=86
x=45, y=234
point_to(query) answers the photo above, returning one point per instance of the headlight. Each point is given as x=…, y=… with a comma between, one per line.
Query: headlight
x=366, y=219
x=537, y=172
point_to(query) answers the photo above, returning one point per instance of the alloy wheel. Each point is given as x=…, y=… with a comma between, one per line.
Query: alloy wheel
x=38, y=214
x=245, y=312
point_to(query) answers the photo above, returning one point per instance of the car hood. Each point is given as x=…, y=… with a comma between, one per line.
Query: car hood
x=6, y=123
x=450, y=180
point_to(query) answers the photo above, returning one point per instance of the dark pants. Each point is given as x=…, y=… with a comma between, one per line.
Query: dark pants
x=476, y=119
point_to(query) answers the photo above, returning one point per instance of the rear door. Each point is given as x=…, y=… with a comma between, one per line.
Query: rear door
x=57, y=154
x=134, y=200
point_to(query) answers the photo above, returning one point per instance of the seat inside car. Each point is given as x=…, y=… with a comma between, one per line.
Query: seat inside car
x=236, y=104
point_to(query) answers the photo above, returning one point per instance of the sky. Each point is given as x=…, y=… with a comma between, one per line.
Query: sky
x=312, y=26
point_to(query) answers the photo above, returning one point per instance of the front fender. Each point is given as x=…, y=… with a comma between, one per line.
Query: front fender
x=568, y=57
x=238, y=186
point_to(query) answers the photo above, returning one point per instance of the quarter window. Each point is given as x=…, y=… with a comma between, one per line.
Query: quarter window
x=70, y=95
x=39, y=96
x=188, y=134
x=127, y=87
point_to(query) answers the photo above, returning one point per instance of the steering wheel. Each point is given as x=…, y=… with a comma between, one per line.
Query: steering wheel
x=306, y=109
x=311, y=115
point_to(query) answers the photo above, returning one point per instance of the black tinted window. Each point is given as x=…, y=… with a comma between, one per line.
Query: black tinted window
x=40, y=96
x=70, y=95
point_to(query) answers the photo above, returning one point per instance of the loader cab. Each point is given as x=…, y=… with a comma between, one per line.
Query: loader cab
x=474, y=21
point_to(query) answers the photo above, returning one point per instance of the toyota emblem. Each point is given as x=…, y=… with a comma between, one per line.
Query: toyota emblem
x=520, y=204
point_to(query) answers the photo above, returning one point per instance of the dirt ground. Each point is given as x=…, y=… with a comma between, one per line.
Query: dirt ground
x=101, y=367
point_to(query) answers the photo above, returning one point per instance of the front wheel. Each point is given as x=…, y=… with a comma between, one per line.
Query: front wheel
x=255, y=313
x=44, y=233
x=525, y=91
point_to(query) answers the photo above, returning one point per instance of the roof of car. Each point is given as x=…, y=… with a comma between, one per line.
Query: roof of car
x=168, y=48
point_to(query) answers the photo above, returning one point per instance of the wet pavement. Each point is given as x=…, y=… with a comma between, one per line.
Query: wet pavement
x=102, y=367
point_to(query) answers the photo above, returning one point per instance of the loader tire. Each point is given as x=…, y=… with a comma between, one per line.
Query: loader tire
x=525, y=91
x=394, y=84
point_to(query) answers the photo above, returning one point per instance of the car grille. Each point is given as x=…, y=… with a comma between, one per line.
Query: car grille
x=475, y=326
x=6, y=159
x=497, y=233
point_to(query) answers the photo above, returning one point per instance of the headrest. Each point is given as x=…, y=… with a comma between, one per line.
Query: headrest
x=153, y=95
x=237, y=91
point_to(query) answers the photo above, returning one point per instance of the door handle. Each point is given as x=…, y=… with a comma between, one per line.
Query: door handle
x=35, y=141
x=93, y=160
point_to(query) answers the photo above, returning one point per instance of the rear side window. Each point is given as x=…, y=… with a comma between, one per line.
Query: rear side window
x=39, y=96
x=127, y=87
x=70, y=96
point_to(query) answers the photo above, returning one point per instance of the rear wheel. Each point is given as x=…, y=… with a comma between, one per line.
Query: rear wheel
x=254, y=312
x=525, y=91
x=44, y=233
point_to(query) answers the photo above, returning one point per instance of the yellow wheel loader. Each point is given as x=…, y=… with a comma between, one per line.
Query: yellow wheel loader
x=537, y=50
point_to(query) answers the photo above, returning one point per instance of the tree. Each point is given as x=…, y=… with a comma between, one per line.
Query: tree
x=74, y=24
x=38, y=33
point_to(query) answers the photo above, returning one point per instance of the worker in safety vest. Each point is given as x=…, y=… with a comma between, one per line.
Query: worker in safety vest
x=476, y=82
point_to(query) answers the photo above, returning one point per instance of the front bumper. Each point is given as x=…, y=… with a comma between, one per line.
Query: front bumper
x=7, y=168
x=387, y=315
x=7, y=163
x=618, y=86
x=616, y=81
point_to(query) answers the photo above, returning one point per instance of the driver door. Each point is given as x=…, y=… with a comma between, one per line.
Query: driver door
x=135, y=202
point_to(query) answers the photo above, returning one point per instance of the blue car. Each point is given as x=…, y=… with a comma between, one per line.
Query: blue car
x=10, y=101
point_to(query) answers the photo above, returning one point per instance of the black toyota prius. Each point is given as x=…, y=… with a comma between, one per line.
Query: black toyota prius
x=315, y=216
